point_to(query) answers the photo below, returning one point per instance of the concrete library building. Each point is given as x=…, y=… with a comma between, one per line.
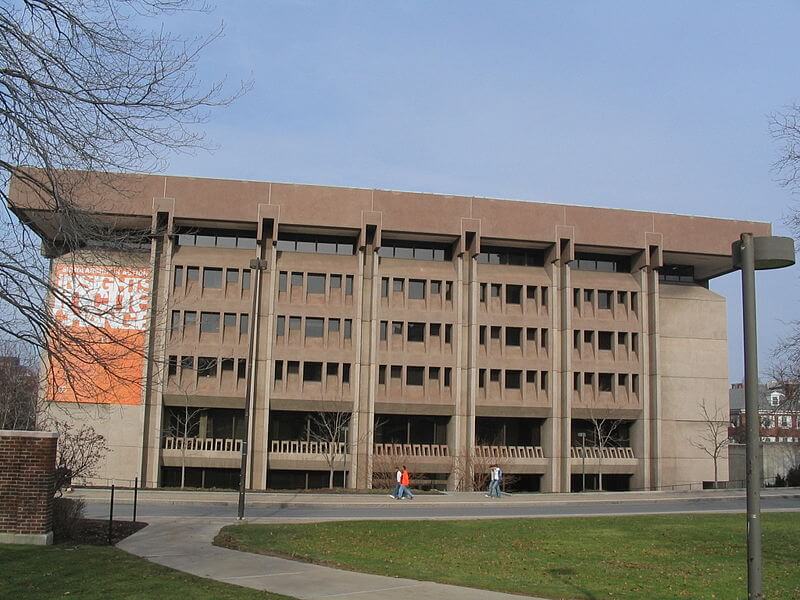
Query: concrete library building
x=330, y=334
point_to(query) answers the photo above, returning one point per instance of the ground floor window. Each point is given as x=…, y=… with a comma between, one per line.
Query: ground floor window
x=199, y=477
x=285, y=479
x=611, y=483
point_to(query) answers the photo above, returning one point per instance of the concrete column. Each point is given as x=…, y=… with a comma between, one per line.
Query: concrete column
x=366, y=365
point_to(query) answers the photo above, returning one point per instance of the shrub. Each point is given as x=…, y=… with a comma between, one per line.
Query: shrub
x=779, y=481
x=793, y=477
x=67, y=514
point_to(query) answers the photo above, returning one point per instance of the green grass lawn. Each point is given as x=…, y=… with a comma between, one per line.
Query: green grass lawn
x=647, y=557
x=103, y=573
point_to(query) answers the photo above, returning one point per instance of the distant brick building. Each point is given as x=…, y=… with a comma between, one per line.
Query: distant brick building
x=780, y=420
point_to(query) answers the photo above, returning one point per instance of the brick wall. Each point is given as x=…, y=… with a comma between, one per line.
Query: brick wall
x=27, y=466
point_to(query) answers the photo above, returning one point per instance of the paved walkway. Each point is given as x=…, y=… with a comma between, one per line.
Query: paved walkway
x=186, y=545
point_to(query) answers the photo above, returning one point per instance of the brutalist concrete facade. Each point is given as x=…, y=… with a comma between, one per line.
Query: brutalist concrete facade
x=456, y=331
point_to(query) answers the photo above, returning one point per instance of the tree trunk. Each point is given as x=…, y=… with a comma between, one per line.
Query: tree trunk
x=716, y=482
x=330, y=479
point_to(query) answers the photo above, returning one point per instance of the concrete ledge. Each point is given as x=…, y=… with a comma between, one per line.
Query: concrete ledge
x=27, y=434
x=34, y=539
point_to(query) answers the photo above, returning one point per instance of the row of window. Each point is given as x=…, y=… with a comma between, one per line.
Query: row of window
x=512, y=336
x=607, y=263
x=512, y=378
x=212, y=277
x=605, y=381
x=216, y=238
x=605, y=339
x=676, y=274
x=418, y=289
x=410, y=250
x=415, y=332
x=605, y=298
x=315, y=283
x=491, y=255
x=513, y=292
x=210, y=322
x=311, y=371
x=415, y=376
x=207, y=366
x=316, y=244
x=314, y=326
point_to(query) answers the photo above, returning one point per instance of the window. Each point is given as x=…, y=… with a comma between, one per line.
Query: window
x=384, y=287
x=588, y=379
x=604, y=299
x=278, y=370
x=382, y=374
x=189, y=319
x=244, y=324
x=513, y=379
x=436, y=287
x=297, y=280
x=448, y=290
x=292, y=368
x=312, y=372
x=294, y=323
x=482, y=378
x=588, y=295
x=530, y=292
x=495, y=287
x=543, y=380
x=336, y=282
x=348, y=328
x=212, y=278
x=530, y=334
x=635, y=383
x=209, y=322
x=227, y=365
x=448, y=333
x=397, y=285
x=588, y=336
x=396, y=372
x=544, y=338
x=482, y=335
x=622, y=338
x=241, y=368
x=513, y=294
x=676, y=273
x=192, y=274
x=576, y=339
x=433, y=373
x=334, y=325
x=494, y=375
x=576, y=297
x=436, y=329
x=175, y=324
x=346, y=373
x=415, y=332
x=332, y=369
x=544, y=295
x=576, y=381
x=319, y=244
x=447, y=374
x=397, y=328
x=232, y=276
x=178, y=277
x=229, y=320
x=172, y=365
x=513, y=336
x=416, y=289
x=187, y=363
x=530, y=377
x=315, y=327
x=604, y=382
x=246, y=280
x=282, y=281
x=414, y=250
x=316, y=283
x=607, y=263
x=495, y=332
x=622, y=380
x=415, y=375
x=207, y=366
x=280, y=326
x=635, y=342
x=384, y=327
x=604, y=339
x=634, y=301
x=622, y=298
x=483, y=292
x=492, y=255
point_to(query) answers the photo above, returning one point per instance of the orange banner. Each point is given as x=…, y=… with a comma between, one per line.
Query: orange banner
x=99, y=356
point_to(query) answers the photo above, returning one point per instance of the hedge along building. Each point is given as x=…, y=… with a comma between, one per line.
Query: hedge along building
x=456, y=331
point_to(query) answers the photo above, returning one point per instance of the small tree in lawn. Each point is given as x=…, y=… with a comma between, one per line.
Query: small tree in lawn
x=604, y=434
x=330, y=431
x=714, y=436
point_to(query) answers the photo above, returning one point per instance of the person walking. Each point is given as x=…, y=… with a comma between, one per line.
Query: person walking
x=398, y=475
x=494, y=481
x=405, y=482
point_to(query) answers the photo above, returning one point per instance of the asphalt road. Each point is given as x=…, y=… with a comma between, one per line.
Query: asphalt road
x=418, y=509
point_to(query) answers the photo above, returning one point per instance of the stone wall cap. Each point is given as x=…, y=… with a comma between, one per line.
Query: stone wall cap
x=27, y=434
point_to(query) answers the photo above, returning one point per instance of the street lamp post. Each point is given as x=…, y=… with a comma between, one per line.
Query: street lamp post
x=751, y=254
x=256, y=266
x=582, y=435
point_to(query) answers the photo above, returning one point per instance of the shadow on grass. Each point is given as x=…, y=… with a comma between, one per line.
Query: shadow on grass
x=563, y=574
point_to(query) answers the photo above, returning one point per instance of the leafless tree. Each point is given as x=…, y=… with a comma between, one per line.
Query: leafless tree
x=604, y=434
x=19, y=388
x=88, y=88
x=713, y=438
x=78, y=453
x=182, y=424
x=785, y=128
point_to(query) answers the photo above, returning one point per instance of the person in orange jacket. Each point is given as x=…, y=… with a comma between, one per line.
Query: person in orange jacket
x=405, y=482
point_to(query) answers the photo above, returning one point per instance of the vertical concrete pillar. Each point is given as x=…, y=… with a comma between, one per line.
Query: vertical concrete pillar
x=161, y=250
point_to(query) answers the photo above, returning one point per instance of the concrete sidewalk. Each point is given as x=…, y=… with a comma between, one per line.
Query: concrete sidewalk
x=186, y=545
x=285, y=499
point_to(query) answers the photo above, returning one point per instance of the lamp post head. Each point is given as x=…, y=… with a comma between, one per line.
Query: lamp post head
x=771, y=252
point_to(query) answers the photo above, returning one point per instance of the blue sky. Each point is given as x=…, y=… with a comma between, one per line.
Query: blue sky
x=620, y=104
